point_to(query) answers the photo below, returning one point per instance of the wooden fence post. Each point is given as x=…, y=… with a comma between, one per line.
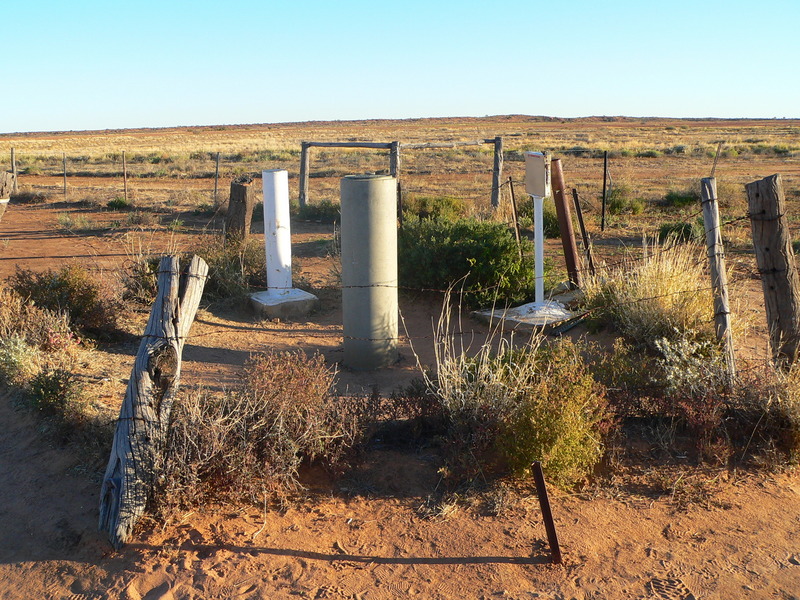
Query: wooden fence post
x=497, y=171
x=719, y=276
x=605, y=191
x=565, y=222
x=141, y=433
x=6, y=189
x=216, y=181
x=64, y=158
x=125, y=176
x=240, y=208
x=515, y=215
x=776, y=263
x=303, y=194
x=14, y=170
x=394, y=160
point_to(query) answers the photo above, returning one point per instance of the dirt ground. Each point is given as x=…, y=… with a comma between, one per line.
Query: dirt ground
x=367, y=536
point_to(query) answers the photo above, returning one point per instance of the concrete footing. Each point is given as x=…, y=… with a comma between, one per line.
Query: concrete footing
x=290, y=305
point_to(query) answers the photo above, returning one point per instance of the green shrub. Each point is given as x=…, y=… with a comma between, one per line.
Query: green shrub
x=19, y=362
x=56, y=392
x=119, y=203
x=324, y=211
x=480, y=257
x=549, y=216
x=682, y=198
x=433, y=207
x=233, y=267
x=506, y=409
x=71, y=290
x=621, y=201
x=682, y=232
x=648, y=154
x=30, y=197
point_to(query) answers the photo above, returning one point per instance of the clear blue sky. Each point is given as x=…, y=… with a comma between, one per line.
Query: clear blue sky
x=94, y=65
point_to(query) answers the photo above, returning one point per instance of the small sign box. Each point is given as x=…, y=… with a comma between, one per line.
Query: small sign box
x=537, y=174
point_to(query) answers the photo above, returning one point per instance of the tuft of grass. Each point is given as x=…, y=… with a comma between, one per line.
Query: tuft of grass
x=324, y=211
x=30, y=197
x=70, y=222
x=622, y=202
x=682, y=198
x=663, y=292
x=448, y=208
x=234, y=266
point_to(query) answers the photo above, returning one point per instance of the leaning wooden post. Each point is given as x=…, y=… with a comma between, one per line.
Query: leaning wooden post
x=515, y=215
x=497, y=171
x=775, y=260
x=303, y=194
x=587, y=243
x=719, y=277
x=240, y=208
x=14, y=170
x=565, y=222
x=141, y=434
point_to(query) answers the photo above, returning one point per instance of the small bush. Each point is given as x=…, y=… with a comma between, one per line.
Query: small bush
x=682, y=198
x=71, y=222
x=682, y=232
x=56, y=392
x=19, y=362
x=324, y=211
x=549, y=217
x=233, y=267
x=71, y=290
x=251, y=442
x=508, y=408
x=119, y=203
x=30, y=197
x=433, y=207
x=621, y=201
x=480, y=257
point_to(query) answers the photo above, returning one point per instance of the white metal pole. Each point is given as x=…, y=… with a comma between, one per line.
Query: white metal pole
x=538, y=244
x=277, y=232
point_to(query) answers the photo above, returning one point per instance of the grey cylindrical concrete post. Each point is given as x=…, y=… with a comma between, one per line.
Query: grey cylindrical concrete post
x=369, y=270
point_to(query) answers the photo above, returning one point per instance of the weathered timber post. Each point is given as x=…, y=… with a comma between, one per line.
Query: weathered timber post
x=497, y=171
x=240, y=208
x=394, y=171
x=605, y=191
x=7, y=181
x=141, y=433
x=14, y=170
x=125, y=176
x=565, y=222
x=64, y=158
x=719, y=276
x=303, y=193
x=775, y=260
x=216, y=180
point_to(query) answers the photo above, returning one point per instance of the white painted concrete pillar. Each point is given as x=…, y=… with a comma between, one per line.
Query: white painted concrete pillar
x=277, y=231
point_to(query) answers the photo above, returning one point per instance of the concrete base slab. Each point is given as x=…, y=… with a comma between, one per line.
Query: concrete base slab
x=532, y=315
x=285, y=304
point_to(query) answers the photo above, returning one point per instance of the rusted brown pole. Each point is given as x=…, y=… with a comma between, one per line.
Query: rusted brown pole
x=547, y=513
x=565, y=222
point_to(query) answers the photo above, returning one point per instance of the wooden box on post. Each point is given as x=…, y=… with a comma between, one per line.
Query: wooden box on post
x=240, y=208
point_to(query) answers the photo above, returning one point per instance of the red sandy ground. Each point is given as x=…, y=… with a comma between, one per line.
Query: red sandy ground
x=364, y=538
